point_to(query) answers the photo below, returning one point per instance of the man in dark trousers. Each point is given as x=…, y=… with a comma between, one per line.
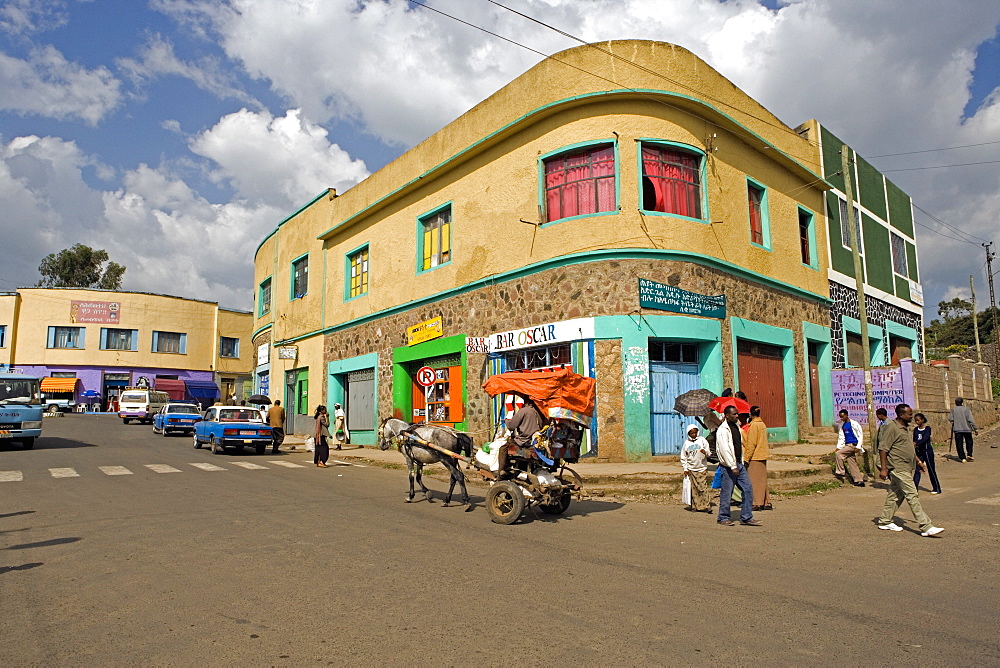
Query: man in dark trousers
x=729, y=448
x=963, y=426
x=276, y=418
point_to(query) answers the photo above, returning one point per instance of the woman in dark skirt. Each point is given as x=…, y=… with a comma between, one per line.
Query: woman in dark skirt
x=321, y=436
x=925, y=452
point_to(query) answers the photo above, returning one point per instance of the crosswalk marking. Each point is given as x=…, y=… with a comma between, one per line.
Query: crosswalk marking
x=162, y=468
x=360, y=466
x=205, y=466
x=64, y=473
x=115, y=470
x=291, y=465
x=248, y=465
x=11, y=476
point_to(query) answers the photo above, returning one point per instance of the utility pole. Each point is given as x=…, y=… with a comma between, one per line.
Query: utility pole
x=975, y=321
x=859, y=280
x=993, y=308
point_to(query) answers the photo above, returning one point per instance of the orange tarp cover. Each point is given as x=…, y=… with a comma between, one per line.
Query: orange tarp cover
x=59, y=384
x=549, y=389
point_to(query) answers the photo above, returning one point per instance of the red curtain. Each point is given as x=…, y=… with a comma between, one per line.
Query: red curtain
x=580, y=183
x=675, y=176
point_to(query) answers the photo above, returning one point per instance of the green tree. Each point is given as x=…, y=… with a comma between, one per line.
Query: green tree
x=956, y=308
x=80, y=267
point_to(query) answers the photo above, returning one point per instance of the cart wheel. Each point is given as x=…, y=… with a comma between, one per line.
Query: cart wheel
x=559, y=507
x=505, y=502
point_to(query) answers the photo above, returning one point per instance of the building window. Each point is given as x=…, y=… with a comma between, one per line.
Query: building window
x=898, y=254
x=580, y=182
x=264, y=297
x=435, y=238
x=357, y=263
x=3, y=336
x=300, y=277
x=119, y=339
x=66, y=337
x=807, y=238
x=671, y=180
x=539, y=358
x=170, y=342
x=229, y=346
x=845, y=228
x=757, y=199
x=665, y=351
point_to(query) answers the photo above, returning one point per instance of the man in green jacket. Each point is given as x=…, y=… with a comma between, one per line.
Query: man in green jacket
x=898, y=460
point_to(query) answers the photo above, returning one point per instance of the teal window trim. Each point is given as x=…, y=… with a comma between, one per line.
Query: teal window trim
x=347, y=271
x=903, y=332
x=813, y=251
x=703, y=173
x=421, y=220
x=765, y=214
x=572, y=148
x=261, y=311
x=876, y=340
x=750, y=330
x=291, y=275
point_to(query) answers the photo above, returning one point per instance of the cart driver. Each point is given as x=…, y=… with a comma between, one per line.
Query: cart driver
x=527, y=421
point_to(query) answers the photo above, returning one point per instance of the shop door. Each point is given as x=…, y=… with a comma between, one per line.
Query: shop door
x=762, y=379
x=359, y=395
x=114, y=383
x=440, y=403
x=817, y=412
x=667, y=380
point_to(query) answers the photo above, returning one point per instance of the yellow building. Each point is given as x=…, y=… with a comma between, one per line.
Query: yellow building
x=88, y=344
x=620, y=208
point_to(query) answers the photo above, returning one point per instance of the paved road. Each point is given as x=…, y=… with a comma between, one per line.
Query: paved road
x=292, y=566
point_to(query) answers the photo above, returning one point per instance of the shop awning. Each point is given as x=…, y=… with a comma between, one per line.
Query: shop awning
x=59, y=384
x=202, y=389
x=173, y=387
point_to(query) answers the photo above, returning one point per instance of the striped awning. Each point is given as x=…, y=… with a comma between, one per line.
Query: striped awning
x=50, y=384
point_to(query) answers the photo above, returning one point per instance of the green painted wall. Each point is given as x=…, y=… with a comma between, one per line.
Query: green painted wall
x=831, y=158
x=902, y=287
x=900, y=209
x=878, y=257
x=840, y=257
x=911, y=261
x=871, y=188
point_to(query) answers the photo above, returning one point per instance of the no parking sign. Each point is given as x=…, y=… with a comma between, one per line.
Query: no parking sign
x=425, y=376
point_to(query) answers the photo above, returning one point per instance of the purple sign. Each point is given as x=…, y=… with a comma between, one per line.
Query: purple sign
x=849, y=391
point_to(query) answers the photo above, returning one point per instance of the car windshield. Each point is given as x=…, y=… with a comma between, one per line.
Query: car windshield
x=239, y=415
x=182, y=408
x=19, y=391
x=134, y=397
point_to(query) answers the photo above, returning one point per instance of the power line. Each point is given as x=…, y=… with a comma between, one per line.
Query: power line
x=964, y=164
x=951, y=227
x=932, y=150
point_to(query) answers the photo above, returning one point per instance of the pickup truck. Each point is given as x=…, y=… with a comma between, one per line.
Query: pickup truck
x=232, y=427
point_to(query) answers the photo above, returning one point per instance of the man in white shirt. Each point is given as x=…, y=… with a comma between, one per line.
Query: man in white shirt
x=729, y=449
x=849, y=444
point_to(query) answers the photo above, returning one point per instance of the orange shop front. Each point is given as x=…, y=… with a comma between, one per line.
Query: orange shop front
x=442, y=401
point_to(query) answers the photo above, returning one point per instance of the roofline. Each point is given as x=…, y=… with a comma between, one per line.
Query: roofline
x=132, y=292
x=288, y=218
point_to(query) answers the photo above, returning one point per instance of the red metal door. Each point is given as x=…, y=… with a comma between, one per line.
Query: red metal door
x=817, y=413
x=762, y=379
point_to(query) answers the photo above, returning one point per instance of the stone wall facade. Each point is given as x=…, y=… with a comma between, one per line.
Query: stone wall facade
x=600, y=288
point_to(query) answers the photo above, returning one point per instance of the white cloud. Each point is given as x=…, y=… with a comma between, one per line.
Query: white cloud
x=46, y=84
x=22, y=17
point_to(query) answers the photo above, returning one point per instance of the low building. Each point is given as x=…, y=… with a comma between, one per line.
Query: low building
x=621, y=209
x=88, y=344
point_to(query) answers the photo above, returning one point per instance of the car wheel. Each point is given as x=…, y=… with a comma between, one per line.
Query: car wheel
x=163, y=432
x=52, y=409
x=28, y=443
x=261, y=448
x=197, y=443
x=217, y=449
x=126, y=420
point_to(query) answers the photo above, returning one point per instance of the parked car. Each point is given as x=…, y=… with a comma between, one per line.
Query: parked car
x=176, y=418
x=139, y=403
x=232, y=427
x=56, y=402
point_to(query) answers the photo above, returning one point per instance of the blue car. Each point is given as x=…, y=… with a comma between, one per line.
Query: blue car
x=176, y=419
x=232, y=427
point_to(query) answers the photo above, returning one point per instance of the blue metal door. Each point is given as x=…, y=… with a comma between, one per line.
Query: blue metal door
x=667, y=380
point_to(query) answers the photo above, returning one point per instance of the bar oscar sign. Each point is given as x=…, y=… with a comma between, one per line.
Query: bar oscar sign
x=668, y=298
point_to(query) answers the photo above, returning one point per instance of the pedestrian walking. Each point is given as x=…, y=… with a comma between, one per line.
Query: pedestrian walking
x=693, y=460
x=321, y=434
x=340, y=433
x=756, y=453
x=881, y=417
x=898, y=460
x=963, y=427
x=925, y=452
x=850, y=438
x=276, y=419
x=729, y=448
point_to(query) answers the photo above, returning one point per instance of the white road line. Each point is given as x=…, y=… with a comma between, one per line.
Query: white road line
x=64, y=473
x=115, y=470
x=11, y=476
x=360, y=466
x=248, y=465
x=987, y=500
x=205, y=466
x=290, y=465
x=162, y=468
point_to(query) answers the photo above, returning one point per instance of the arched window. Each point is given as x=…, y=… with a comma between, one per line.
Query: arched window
x=580, y=182
x=671, y=180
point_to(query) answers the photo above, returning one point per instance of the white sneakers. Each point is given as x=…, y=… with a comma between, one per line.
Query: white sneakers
x=891, y=526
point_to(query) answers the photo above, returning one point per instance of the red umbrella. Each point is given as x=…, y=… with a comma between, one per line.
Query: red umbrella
x=719, y=404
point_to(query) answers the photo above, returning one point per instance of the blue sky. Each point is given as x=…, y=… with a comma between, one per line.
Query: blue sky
x=177, y=133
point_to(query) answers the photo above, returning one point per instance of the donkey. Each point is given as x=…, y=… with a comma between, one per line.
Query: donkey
x=393, y=431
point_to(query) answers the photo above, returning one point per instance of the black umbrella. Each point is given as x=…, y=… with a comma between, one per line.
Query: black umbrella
x=258, y=399
x=693, y=402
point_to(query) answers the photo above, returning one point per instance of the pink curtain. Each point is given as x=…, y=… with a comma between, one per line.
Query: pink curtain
x=675, y=179
x=581, y=183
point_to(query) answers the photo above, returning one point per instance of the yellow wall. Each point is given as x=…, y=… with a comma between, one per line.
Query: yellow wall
x=236, y=324
x=8, y=308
